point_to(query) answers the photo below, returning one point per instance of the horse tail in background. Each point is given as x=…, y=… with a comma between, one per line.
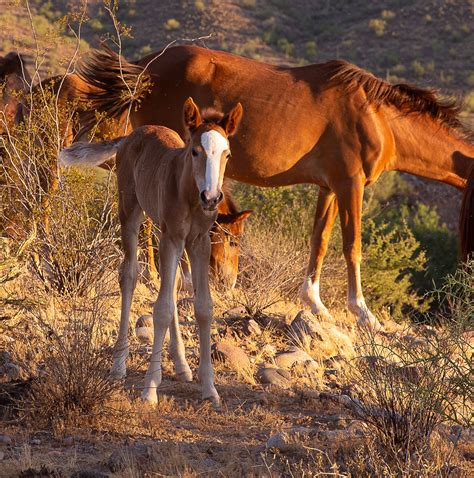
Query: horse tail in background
x=90, y=154
x=115, y=84
x=466, y=223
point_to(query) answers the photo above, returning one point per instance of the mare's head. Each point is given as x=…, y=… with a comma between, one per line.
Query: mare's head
x=14, y=80
x=226, y=235
x=210, y=150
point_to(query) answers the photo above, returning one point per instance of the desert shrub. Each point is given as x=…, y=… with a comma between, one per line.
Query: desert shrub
x=378, y=26
x=310, y=50
x=199, y=5
x=172, y=24
x=418, y=68
x=469, y=100
x=72, y=386
x=408, y=386
x=271, y=268
x=285, y=46
x=390, y=258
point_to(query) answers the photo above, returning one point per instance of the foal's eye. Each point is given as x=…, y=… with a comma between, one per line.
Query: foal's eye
x=194, y=152
x=229, y=156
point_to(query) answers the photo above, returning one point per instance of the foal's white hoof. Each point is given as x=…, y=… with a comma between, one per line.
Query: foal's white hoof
x=150, y=397
x=185, y=376
x=215, y=401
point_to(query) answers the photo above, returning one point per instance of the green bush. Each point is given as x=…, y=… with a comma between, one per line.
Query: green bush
x=172, y=24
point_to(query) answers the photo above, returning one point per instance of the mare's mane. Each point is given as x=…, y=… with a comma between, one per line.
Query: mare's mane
x=408, y=99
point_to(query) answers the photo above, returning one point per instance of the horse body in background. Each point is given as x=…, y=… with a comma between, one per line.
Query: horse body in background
x=330, y=124
x=17, y=84
x=179, y=186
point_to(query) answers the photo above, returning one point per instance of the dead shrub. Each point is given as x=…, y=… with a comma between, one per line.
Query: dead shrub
x=271, y=268
x=408, y=385
x=72, y=384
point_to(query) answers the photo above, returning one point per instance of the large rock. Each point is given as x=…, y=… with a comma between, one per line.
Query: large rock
x=295, y=356
x=274, y=376
x=287, y=440
x=234, y=357
x=144, y=330
x=305, y=325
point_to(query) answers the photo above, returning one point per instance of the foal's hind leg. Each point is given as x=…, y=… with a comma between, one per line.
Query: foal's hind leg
x=326, y=212
x=171, y=250
x=349, y=196
x=199, y=253
x=131, y=216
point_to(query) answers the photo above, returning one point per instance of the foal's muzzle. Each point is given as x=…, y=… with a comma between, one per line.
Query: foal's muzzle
x=210, y=201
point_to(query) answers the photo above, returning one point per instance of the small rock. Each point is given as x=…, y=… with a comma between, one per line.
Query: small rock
x=331, y=371
x=252, y=328
x=235, y=312
x=294, y=356
x=285, y=441
x=5, y=440
x=5, y=358
x=274, y=376
x=13, y=371
x=35, y=441
x=231, y=355
x=305, y=325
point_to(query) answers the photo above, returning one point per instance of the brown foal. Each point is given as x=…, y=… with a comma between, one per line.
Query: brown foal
x=331, y=124
x=179, y=186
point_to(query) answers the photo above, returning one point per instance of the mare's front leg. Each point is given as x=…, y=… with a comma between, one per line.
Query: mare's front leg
x=171, y=250
x=131, y=216
x=326, y=212
x=350, y=196
x=199, y=253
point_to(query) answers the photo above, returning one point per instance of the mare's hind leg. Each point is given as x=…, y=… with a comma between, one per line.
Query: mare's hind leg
x=349, y=197
x=131, y=216
x=171, y=250
x=199, y=253
x=326, y=212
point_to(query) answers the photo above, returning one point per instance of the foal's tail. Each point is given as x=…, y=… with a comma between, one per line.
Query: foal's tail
x=90, y=154
x=466, y=224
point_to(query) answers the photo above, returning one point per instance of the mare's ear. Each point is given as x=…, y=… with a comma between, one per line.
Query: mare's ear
x=241, y=216
x=192, y=116
x=230, y=123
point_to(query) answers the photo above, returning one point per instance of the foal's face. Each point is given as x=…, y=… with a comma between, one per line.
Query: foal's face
x=210, y=151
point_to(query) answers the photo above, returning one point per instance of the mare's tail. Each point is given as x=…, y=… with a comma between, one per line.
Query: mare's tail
x=114, y=84
x=466, y=223
x=90, y=154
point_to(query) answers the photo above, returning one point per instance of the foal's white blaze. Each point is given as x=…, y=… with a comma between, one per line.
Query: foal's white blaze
x=214, y=145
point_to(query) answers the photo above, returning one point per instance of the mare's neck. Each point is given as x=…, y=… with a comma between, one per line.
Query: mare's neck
x=425, y=149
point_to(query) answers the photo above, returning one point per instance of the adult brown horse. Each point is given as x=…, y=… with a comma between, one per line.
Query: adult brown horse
x=331, y=124
x=15, y=86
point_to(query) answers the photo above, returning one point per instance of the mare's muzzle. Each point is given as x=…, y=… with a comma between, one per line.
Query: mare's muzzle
x=210, y=201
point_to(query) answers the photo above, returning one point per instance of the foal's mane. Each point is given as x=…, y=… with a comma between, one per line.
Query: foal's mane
x=408, y=99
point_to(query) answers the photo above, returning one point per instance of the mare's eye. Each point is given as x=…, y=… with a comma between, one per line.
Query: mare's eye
x=194, y=152
x=229, y=156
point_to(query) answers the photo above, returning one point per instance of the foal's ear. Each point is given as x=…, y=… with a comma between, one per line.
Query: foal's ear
x=230, y=123
x=192, y=116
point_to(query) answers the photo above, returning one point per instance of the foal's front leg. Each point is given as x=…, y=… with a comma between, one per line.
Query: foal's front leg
x=171, y=250
x=199, y=254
